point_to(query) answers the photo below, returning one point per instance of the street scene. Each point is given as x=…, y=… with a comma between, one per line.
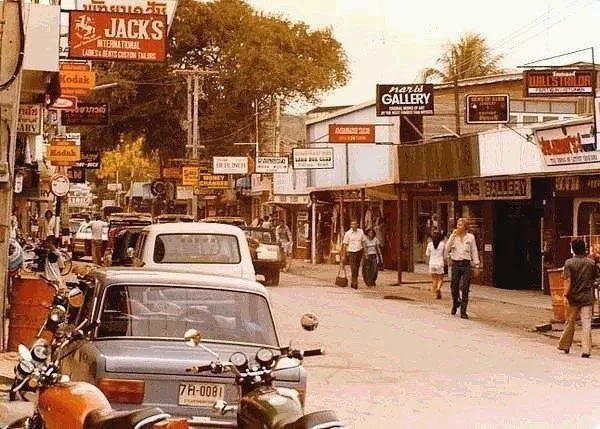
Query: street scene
x=299, y=215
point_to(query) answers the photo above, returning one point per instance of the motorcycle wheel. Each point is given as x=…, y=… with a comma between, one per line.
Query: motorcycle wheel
x=68, y=263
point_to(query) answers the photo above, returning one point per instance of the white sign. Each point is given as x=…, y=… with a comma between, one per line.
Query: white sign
x=313, y=158
x=113, y=187
x=185, y=192
x=230, y=165
x=30, y=118
x=272, y=164
x=60, y=185
x=108, y=203
x=569, y=144
x=80, y=202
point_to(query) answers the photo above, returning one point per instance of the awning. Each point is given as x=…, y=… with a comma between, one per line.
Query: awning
x=296, y=199
x=384, y=190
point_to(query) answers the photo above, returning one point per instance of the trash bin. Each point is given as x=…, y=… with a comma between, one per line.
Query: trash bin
x=559, y=306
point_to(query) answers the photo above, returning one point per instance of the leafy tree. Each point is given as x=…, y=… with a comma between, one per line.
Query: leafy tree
x=469, y=57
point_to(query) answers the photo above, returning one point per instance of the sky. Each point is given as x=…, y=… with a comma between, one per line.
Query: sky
x=391, y=41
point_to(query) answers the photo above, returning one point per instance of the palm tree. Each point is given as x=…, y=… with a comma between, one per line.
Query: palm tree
x=469, y=57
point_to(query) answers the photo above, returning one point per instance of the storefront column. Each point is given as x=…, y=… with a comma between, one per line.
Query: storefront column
x=313, y=230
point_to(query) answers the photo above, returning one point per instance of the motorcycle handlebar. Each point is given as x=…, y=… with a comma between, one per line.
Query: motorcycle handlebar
x=201, y=368
x=313, y=352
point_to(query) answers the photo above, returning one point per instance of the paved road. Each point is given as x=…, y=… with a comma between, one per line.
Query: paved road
x=403, y=364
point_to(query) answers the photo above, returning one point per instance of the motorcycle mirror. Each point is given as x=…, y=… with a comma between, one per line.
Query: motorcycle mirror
x=76, y=297
x=309, y=322
x=192, y=338
x=24, y=353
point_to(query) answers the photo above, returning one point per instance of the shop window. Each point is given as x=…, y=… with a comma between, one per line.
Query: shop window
x=558, y=107
x=530, y=119
x=549, y=118
x=517, y=106
x=514, y=119
x=588, y=218
x=537, y=106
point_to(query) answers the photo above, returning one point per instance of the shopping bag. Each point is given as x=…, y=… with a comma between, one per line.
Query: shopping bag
x=341, y=281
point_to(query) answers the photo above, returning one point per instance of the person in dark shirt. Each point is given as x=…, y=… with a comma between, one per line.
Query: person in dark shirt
x=579, y=276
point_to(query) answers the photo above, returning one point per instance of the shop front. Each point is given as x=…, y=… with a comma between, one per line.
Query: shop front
x=295, y=211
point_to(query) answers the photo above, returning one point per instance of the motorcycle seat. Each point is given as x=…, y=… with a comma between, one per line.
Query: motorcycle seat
x=111, y=419
x=318, y=420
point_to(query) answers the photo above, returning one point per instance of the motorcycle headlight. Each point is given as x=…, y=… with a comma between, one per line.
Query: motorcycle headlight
x=39, y=352
x=24, y=368
x=239, y=360
x=57, y=314
x=265, y=356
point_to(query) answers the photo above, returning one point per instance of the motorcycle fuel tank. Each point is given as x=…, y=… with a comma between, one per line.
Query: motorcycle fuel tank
x=66, y=405
x=269, y=407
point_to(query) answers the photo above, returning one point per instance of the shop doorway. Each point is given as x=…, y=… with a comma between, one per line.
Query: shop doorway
x=429, y=215
x=517, y=246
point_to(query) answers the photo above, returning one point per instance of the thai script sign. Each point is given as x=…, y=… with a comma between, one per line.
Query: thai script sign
x=230, y=165
x=30, y=118
x=214, y=181
x=76, y=78
x=117, y=36
x=559, y=83
x=312, y=158
x=405, y=99
x=487, y=109
x=570, y=144
x=87, y=114
x=64, y=152
x=351, y=133
x=164, y=7
x=272, y=164
x=494, y=189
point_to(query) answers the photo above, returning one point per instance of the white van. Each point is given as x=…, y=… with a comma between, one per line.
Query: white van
x=206, y=248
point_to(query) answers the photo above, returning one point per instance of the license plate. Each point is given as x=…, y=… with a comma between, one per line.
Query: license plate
x=200, y=394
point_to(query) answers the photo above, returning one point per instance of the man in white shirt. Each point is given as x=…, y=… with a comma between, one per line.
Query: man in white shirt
x=462, y=250
x=97, y=226
x=353, y=249
x=50, y=225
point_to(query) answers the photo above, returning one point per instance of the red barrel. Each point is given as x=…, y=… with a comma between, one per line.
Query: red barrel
x=31, y=301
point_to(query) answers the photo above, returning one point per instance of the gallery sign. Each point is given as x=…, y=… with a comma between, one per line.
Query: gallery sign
x=30, y=118
x=494, y=189
x=230, y=165
x=559, y=83
x=117, y=36
x=272, y=164
x=312, y=158
x=487, y=109
x=570, y=144
x=87, y=114
x=404, y=99
x=351, y=133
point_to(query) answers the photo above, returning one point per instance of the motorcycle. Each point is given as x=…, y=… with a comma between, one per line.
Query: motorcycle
x=262, y=405
x=35, y=258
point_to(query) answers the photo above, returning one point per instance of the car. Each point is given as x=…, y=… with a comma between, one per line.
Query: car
x=82, y=241
x=228, y=220
x=135, y=352
x=207, y=248
x=123, y=231
x=173, y=217
x=267, y=255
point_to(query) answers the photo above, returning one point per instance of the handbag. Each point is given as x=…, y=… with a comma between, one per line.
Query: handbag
x=339, y=280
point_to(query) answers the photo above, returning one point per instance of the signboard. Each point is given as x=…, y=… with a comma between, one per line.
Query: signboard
x=114, y=187
x=272, y=164
x=559, y=83
x=312, y=158
x=351, y=133
x=89, y=160
x=117, y=36
x=109, y=203
x=30, y=118
x=487, y=109
x=214, y=181
x=76, y=78
x=76, y=174
x=190, y=176
x=80, y=202
x=64, y=152
x=64, y=102
x=230, y=165
x=164, y=7
x=404, y=99
x=60, y=185
x=571, y=144
x=173, y=173
x=87, y=114
x=185, y=192
x=494, y=189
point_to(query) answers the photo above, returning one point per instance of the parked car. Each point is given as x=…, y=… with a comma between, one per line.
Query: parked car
x=123, y=231
x=173, y=217
x=207, y=248
x=267, y=255
x=82, y=241
x=135, y=351
x=229, y=220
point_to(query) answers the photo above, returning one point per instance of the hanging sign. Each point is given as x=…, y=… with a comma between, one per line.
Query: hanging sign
x=559, y=83
x=190, y=176
x=60, y=185
x=89, y=160
x=272, y=164
x=230, y=165
x=153, y=7
x=30, y=118
x=312, y=158
x=87, y=114
x=569, y=144
x=76, y=78
x=214, y=181
x=351, y=133
x=76, y=174
x=185, y=192
x=404, y=99
x=64, y=152
x=64, y=102
x=487, y=109
x=117, y=36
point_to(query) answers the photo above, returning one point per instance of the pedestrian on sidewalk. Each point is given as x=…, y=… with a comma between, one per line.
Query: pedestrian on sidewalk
x=372, y=258
x=97, y=227
x=461, y=248
x=435, y=255
x=381, y=234
x=579, y=275
x=353, y=250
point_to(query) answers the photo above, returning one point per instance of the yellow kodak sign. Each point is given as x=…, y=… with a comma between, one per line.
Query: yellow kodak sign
x=64, y=152
x=76, y=79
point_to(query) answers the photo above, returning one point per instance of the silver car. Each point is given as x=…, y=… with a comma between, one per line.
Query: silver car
x=135, y=352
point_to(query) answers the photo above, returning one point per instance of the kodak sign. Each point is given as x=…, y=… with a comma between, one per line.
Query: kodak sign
x=76, y=79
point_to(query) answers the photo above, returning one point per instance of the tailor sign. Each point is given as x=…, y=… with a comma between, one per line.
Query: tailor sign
x=570, y=144
x=404, y=99
x=559, y=83
x=117, y=36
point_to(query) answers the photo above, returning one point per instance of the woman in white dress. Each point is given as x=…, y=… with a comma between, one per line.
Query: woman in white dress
x=435, y=255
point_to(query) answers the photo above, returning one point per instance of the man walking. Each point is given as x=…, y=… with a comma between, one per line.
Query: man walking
x=462, y=250
x=97, y=226
x=353, y=249
x=579, y=275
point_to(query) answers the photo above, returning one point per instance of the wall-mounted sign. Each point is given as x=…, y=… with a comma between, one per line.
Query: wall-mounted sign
x=571, y=144
x=272, y=164
x=351, y=133
x=76, y=174
x=76, y=78
x=89, y=160
x=64, y=152
x=583, y=185
x=60, y=185
x=230, y=165
x=117, y=36
x=87, y=114
x=494, y=189
x=30, y=118
x=64, y=102
x=487, y=109
x=559, y=83
x=185, y=192
x=404, y=99
x=312, y=158
x=190, y=176
x=214, y=181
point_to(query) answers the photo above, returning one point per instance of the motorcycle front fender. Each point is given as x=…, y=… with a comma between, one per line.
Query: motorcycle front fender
x=269, y=407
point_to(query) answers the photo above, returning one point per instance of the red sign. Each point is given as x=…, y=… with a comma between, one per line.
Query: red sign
x=117, y=36
x=351, y=133
x=559, y=83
